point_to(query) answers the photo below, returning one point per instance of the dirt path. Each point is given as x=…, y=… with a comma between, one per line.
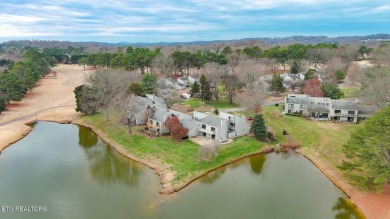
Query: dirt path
x=51, y=99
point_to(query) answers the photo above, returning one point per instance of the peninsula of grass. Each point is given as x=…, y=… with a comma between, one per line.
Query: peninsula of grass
x=182, y=157
x=323, y=138
x=221, y=104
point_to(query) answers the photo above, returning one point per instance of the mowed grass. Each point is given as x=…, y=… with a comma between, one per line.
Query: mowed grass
x=323, y=138
x=351, y=92
x=183, y=157
x=222, y=104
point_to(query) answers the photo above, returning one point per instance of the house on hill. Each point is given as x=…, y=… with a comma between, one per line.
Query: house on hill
x=323, y=108
x=151, y=112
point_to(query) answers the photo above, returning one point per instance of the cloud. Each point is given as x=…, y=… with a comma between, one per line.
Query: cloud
x=161, y=20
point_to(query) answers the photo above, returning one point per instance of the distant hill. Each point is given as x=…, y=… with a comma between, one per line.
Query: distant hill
x=266, y=40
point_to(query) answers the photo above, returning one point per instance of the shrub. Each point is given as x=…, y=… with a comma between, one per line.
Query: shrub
x=284, y=132
x=216, y=111
x=2, y=105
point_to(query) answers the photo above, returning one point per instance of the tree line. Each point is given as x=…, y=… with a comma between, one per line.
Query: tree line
x=19, y=77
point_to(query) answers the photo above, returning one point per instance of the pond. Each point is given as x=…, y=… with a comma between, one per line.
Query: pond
x=71, y=173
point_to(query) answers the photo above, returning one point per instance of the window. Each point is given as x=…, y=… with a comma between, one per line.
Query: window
x=203, y=126
x=351, y=112
x=290, y=106
x=337, y=111
x=157, y=123
x=301, y=106
x=212, y=129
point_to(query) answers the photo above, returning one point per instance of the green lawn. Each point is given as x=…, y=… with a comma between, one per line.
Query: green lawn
x=183, y=157
x=351, y=92
x=223, y=103
x=321, y=137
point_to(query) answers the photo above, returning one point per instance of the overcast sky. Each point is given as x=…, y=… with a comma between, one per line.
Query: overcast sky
x=189, y=20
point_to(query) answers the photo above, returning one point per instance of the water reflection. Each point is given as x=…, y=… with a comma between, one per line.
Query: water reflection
x=344, y=209
x=87, y=138
x=213, y=176
x=106, y=165
x=257, y=163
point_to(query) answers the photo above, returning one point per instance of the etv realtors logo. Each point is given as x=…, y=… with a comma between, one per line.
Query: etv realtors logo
x=19, y=208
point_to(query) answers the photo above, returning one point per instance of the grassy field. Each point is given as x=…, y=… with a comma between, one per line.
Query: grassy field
x=183, y=157
x=351, y=92
x=223, y=103
x=324, y=138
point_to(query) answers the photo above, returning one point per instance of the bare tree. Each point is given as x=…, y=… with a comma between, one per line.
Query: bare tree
x=164, y=63
x=108, y=85
x=208, y=150
x=333, y=65
x=249, y=76
x=376, y=86
x=354, y=72
x=381, y=55
x=127, y=104
x=234, y=60
x=232, y=84
x=299, y=85
x=254, y=98
x=167, y=93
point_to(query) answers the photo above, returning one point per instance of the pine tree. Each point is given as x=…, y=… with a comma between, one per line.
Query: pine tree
x=277, y=84
x=203, y=82
x=195, y=88
x=207, y=94
x=258, y=128
x=2, y=105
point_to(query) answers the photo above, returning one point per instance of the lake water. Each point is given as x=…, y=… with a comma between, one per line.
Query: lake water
x=69, y=171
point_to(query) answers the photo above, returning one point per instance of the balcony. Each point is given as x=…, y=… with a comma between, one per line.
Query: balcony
x=206, y=131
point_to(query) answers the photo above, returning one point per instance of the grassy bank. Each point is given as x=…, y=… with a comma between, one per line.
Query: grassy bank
x=323, y=138
x=223, y=103
x=182, y=157
x=351, y=92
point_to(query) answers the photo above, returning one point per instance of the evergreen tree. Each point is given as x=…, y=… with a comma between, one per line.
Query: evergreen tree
x=277, y=84
x=195, y=88
x=148, y=84
x=207, y=94
x=86, y=101
x=332, y=91
x=258, y=128
x=136, y=89
x=2, y=105
x=203, y=82
x=368, y=153
x=295, y=68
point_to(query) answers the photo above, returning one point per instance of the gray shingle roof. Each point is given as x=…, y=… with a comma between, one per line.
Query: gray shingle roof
x=212, y=120
x=160, y=115
x=188, y=123
x=183, y=78
x=297, y=100
x=344, y=105
x=142, y=101
x=317, y=108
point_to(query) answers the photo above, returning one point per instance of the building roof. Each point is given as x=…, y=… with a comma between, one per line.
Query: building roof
x=160, y=115
x=297, y=100
x=344, y=105
x=212, y=120
x=142, y=101
x=188, y=123
x=317, y=108
x=293, y=76
x=183, y=78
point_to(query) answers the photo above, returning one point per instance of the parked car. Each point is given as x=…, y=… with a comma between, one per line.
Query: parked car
x=185, y=96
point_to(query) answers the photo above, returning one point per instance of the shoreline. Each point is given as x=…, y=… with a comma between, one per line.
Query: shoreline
x=162, y=170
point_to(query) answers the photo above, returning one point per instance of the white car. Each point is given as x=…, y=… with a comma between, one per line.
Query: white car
x=185, y=96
